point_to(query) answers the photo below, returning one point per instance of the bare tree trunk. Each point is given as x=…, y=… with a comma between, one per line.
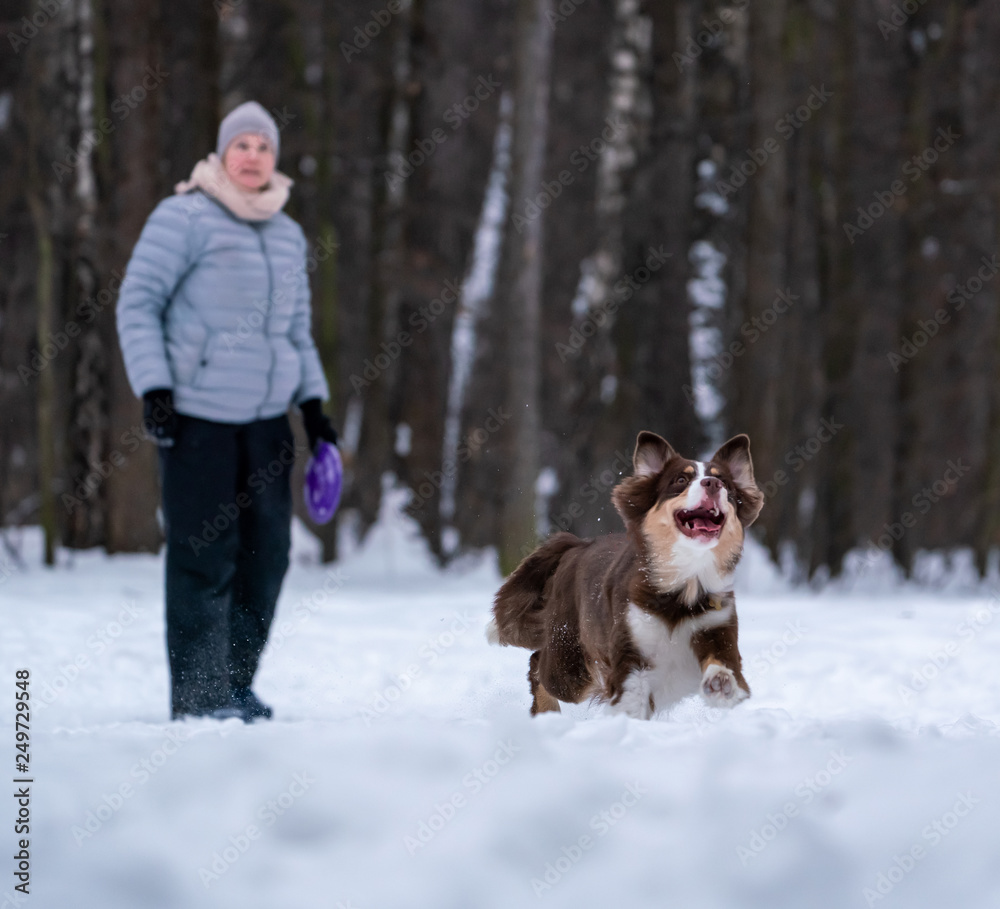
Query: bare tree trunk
x=456, y=86
x=326, y=299
x=980, y=93
x=757, y=392
x=137, y=80
x=381, y=398
x=53, y=128
x=47, y=380
x=189, y=46
x=603, y=286
x=477, y=293
x=87, y=431
x=948, y=312
x=655, y=336
x=519, y=296
x=346, y=136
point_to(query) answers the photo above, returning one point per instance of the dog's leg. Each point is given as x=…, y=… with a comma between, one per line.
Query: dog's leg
x=722, y=682
x=542, y=701
x=636, y=698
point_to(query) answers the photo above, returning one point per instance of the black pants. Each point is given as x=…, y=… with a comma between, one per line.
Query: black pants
x=228, y=507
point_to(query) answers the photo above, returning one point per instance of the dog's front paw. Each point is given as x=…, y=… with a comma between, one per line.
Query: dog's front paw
x=720, y=688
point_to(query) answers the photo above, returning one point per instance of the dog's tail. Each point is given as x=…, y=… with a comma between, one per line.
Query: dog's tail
x=519, y=604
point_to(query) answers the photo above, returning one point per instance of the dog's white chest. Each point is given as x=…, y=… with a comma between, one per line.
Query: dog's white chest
x=673, y=672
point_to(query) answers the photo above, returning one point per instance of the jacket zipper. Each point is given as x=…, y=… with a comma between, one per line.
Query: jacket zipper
x=267, y=322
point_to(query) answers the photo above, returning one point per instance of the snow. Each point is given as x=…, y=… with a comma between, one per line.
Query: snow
x=402, y=768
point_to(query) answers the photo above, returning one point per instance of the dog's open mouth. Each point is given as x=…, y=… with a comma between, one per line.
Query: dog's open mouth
x=702, y=523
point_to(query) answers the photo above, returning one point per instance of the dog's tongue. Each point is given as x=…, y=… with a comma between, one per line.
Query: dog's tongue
x=703, y=525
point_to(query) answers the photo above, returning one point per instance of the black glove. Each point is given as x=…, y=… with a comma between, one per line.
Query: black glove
x=317, y=424
x=159, y=421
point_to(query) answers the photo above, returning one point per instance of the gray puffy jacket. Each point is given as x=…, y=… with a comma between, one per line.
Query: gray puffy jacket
x=217, y=309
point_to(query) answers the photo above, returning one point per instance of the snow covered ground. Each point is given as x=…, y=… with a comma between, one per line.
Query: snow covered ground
x=402, y=769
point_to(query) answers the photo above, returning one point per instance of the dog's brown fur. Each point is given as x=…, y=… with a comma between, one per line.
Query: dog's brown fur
x=568, y=601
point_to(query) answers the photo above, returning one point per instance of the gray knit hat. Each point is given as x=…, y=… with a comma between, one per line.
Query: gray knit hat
x=249, y=117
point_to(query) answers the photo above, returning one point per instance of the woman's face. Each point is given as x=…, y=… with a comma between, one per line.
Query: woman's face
x=249, y=161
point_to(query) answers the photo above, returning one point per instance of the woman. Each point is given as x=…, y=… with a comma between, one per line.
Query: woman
x=214, y=324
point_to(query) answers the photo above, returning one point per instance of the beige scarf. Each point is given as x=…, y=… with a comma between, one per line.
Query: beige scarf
x=210, y=175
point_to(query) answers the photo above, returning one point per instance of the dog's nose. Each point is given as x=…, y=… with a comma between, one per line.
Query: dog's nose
x=714, y=485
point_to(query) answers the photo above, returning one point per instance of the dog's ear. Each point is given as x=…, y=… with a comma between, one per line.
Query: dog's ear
x=651, y=454
x=734, y=455
x=635, y=495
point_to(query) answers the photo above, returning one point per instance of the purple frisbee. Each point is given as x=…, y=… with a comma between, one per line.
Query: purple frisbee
x=324, y=479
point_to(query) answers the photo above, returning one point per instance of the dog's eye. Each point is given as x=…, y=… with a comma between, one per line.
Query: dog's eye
x=680, y=481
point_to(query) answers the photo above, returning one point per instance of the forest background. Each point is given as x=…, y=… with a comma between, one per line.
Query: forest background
x=537, y=227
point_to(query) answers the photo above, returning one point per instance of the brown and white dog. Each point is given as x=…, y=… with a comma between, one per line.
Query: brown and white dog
x=643, y=619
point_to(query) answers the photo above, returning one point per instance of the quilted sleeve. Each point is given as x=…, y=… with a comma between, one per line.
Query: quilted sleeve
x=313, y=382
x=160, y=260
